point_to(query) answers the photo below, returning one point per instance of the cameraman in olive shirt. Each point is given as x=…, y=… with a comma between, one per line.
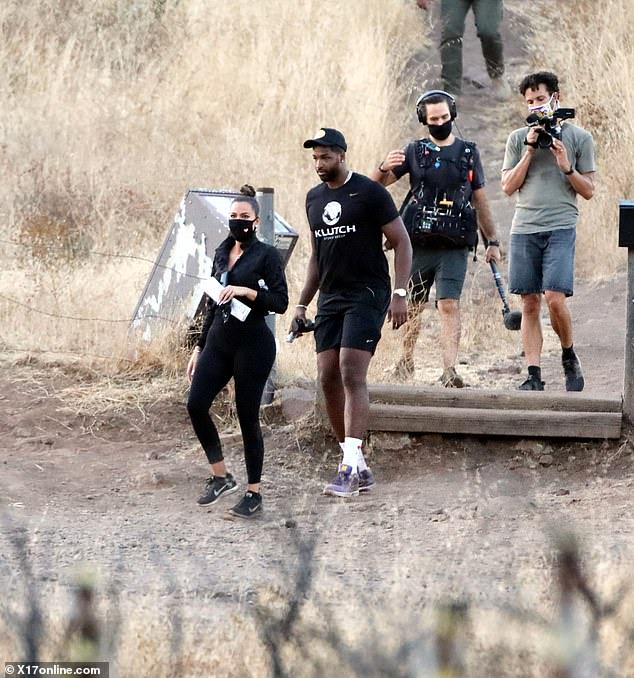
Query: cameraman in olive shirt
x=543, y=233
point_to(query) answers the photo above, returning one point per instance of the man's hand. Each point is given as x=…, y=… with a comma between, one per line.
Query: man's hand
x=393, y=159
x=397, y=313
x=298, y=319
x=493, y=254
x=531, y=138
x=424, y=4
x=561, y=155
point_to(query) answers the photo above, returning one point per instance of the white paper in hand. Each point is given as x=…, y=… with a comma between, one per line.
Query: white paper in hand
x=213, y=288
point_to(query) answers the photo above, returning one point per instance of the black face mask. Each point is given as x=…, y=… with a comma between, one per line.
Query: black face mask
x=242, y=229
x=440, y=132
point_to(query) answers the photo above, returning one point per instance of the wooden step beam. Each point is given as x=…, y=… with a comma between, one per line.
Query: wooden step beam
x=495, y=422
x=431, y=396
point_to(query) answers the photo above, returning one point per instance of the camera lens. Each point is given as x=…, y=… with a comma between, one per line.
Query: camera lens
x=544, y=139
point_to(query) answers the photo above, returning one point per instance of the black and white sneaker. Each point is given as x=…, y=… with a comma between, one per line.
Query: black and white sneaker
x=249, y=506
x=216, y=487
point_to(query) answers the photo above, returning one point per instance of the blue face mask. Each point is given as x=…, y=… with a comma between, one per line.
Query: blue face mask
x=242, y=229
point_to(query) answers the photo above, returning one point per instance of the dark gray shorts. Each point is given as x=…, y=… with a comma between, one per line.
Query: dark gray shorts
x=445, y=267
x=351, y=319
x=542, y=261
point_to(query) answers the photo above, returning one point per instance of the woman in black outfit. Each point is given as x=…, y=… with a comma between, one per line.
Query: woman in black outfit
x=251, y=272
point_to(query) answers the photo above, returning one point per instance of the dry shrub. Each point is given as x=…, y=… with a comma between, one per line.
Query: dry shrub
x=112, y=111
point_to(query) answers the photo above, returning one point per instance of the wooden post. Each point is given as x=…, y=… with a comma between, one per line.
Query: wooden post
x=626, y=239
x=267, y=234
x=628, y=373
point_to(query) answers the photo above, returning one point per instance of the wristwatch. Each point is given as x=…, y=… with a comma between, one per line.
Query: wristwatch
x=400, y=292
x=493, y=243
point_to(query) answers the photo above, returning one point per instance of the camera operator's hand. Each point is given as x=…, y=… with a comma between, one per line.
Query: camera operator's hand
x=561, y=155
x=397, y=313
x=531, y=138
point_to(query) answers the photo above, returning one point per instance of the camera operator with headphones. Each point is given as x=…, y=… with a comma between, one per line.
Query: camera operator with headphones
x=548, y=164
x=445, y=206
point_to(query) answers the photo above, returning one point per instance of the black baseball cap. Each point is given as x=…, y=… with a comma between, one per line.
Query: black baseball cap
x=327, y=136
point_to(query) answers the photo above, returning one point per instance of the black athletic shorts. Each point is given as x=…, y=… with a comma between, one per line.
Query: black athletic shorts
x=351, y=319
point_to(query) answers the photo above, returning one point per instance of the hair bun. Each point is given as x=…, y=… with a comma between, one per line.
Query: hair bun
x=247, y=189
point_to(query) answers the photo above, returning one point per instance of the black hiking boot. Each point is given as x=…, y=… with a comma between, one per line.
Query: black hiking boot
x=573, y=373
x=532, y=384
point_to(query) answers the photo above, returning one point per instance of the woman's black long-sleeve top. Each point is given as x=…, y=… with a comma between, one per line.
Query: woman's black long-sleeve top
x=260, y=268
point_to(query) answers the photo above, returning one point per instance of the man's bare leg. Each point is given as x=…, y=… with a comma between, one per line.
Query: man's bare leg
x=332, y=386
x=450, y=331
x=405, y=366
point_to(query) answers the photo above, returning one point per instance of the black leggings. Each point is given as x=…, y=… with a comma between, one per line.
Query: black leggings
x=247, y=355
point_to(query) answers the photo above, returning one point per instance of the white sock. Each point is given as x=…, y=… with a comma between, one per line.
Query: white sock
x=361, y=465
x=351, y=447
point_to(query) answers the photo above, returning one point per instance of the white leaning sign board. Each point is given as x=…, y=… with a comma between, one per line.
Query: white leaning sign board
x=181, y=275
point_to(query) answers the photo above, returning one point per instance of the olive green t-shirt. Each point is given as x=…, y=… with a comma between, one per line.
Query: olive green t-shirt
x=546, y=201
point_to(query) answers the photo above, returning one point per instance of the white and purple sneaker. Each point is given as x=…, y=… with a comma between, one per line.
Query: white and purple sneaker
x=366, y=480
x=345, y=483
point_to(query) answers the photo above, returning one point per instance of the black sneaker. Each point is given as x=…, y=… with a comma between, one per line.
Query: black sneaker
x=532, y=384
x=217, y=486
x=573, y=373
x=249, y=506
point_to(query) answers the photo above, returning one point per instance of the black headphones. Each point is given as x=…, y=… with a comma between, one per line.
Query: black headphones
x=421, y=110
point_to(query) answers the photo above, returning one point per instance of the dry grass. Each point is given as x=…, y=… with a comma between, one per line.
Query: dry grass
x=110, y=114
x=305, y=623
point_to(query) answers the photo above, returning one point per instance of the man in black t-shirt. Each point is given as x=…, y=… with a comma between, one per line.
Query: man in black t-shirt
x=349, y=215
x=447, y=184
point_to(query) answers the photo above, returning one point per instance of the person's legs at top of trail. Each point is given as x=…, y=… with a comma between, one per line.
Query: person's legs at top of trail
x=488, y=19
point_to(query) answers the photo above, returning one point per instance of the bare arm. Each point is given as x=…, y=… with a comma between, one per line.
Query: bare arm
x=399, y=241
x=583, y=184
x=311, y=285
x=486, y=223
x=514, y=178
x=383, y=173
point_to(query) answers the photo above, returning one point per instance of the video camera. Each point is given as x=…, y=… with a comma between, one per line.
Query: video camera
x=549, y=125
